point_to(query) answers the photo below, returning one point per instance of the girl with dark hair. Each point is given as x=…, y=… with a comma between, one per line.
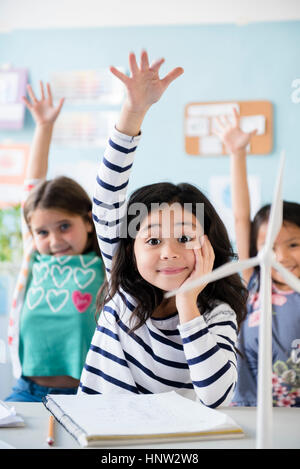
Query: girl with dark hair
x=164, y=236
x=53, y=313
x=250, y=238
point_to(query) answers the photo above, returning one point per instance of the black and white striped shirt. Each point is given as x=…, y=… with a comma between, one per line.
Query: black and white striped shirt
x=162, y=355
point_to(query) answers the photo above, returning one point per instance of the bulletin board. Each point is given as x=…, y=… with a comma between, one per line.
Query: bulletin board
x=200, y=120
x=13, y=163
x=12, y=88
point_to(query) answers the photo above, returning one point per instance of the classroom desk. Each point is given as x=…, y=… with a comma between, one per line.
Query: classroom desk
x=286, y=430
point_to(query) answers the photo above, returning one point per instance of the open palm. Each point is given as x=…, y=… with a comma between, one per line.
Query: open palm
x=42, y=111
x=144, y=87
x=231, y=135
x=204, y=262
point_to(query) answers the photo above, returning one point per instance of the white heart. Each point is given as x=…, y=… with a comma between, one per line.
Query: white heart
x=39, y=272
x=56, y=293
x=31, y=303
x=60, y=279
x=63, y=260
x=87, y=264
x=84, y=273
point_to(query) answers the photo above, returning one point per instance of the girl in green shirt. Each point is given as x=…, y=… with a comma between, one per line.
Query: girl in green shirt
x=53, y=311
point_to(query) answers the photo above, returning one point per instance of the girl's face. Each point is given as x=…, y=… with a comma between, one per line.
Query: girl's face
x=59, y=233
x=286, y=248
x=164, y=246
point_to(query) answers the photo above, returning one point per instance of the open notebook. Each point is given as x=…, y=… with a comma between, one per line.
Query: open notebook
x=97, y=420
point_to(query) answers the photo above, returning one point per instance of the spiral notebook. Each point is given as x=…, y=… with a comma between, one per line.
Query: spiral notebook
x=98, y=420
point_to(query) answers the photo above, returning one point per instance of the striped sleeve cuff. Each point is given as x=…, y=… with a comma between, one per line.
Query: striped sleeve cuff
x=124, y=140
x=193, y=326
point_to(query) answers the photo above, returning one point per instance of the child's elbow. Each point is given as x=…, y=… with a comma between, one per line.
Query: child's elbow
x=220, y=392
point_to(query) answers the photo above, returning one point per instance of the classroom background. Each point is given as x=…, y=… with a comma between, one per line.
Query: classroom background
x=231, y=51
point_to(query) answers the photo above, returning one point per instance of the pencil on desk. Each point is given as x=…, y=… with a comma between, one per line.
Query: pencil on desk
x=50, y=438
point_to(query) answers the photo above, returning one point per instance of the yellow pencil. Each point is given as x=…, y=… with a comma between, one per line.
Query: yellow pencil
x=50, y=438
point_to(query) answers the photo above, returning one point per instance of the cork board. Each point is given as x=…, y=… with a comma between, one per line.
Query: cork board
x=200, y=120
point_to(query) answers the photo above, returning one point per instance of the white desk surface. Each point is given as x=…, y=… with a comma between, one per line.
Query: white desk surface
x=286, y=430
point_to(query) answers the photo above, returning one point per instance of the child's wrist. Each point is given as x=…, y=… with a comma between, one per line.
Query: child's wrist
x=187, y=304
x=130, y=120
x=135, y=110
x=45, y=126
x=241, y=152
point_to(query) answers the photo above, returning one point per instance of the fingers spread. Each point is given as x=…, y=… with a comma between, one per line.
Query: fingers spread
x=42, y=90
x=171, y=76
x=118, y=74
x=31, y=94
x=236, y=117
x=144, y=61
x=49, y=94
x=155, y=66
x=60, y=104
x=25, y=100
x=132, y=64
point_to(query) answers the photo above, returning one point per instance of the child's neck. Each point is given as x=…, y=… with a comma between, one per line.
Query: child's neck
x=165, y=309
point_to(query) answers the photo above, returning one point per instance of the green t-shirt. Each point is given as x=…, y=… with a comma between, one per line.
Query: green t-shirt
x=58, y=315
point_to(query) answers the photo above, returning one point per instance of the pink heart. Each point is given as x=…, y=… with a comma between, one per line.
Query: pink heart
x=81, y=300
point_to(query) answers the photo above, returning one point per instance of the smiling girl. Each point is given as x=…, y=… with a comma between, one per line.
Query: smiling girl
x=52, y=319
x=145, y=343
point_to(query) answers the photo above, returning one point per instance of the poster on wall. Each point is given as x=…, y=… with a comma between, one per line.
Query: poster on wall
x=13, y=162
x=92, y=87
x=220, y=196
x=12, y=88
x=84, y=128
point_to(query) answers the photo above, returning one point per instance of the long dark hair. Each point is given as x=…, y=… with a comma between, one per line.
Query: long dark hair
x=125, y=276
x=62, y=193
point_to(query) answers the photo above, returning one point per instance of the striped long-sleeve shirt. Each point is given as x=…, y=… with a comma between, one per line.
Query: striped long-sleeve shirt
x=162, y=355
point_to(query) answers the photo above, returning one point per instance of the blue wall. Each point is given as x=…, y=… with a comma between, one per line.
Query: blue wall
x=221, y=62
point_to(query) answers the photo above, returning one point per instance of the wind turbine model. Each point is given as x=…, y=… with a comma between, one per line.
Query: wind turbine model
x=266, y=260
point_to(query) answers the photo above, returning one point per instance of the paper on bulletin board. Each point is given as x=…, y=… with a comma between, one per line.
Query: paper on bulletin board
x=12, y=88
x=220, y=196
x=13, y=162
x=91, y=87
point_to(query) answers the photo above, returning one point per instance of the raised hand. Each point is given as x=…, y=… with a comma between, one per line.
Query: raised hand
x=144, y=87
x=42, y=111
x=234, y=139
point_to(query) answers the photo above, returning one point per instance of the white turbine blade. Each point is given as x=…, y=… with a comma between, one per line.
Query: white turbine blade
x=220, y=272
x=275, y=219
x=290, y=278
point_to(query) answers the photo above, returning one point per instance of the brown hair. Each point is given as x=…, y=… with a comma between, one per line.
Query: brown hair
x=64, y=194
